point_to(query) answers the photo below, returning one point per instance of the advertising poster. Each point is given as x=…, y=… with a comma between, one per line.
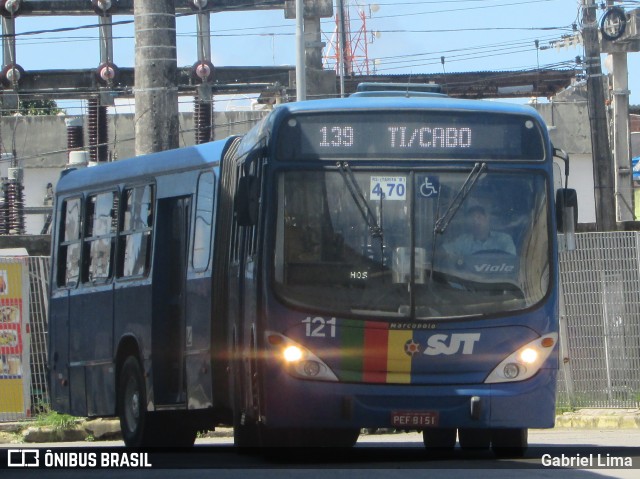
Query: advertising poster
x=14, y=340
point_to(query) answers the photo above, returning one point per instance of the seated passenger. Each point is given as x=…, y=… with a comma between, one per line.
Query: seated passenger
x=481, y=238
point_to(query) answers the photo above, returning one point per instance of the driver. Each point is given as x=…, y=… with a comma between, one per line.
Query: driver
x=481, y=238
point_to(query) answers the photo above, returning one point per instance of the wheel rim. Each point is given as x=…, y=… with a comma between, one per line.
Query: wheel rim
x=132, y=405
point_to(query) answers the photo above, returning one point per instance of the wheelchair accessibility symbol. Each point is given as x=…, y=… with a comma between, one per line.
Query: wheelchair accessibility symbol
x=430, y=187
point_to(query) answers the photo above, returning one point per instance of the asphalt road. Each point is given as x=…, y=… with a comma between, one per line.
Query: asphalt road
x=394, y=456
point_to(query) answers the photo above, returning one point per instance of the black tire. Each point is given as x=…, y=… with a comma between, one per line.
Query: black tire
x=174, y=428
x=336, y=438
x=132, y=404
x=343, y=438
x=289, y=437
x=509, y=442
x=474, y=439
x=439, y=439
x=245, y=436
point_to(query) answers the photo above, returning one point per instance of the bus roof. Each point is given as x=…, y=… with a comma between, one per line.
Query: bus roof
x=154, y=164
x=431, y=102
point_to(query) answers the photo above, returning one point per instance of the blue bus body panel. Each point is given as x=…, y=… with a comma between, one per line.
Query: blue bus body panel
x=90, y=322
x=156, y=164
x=379, y=375
x=336, y=405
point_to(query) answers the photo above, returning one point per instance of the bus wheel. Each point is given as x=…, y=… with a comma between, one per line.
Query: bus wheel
x=132, y=404
x=246, y=436
x=178, y=430
x=342, y=437
x=439, y=439
x=474, y=438
x=509, y=442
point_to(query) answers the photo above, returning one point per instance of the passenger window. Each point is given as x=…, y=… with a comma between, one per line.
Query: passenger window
x=135, y=235
x=204, y=221
x=68, y=266
x=100, y=227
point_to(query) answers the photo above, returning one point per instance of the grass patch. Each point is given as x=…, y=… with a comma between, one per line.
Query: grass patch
x=55, y=421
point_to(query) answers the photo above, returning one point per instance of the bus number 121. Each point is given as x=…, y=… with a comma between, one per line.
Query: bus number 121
x=317, y=327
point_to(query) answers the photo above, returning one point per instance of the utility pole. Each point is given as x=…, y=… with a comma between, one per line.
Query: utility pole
x=156, y=66
x=618, y=43
x=603, y=174
x=301, y=75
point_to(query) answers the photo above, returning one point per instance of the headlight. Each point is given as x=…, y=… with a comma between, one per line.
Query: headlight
x=299, y=361
x=525, y=362
x=292, y=354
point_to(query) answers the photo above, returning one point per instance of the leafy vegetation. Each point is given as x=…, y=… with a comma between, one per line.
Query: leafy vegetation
x=37, y=107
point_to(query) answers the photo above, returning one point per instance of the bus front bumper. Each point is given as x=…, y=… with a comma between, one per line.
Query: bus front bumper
x=295, y=403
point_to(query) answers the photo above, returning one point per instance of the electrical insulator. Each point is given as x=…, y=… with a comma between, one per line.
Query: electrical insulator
x=11, y=74
x=13, y=193
x=103, y=7
x=97, y=131
x=75, y=134
x=203, y=70
x=106, y=73
x=10, y=8
x=199, y=4
x=203, y=120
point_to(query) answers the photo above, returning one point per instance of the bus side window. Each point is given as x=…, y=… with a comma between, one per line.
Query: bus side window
x=204, y=222
x=68, y=266
x=134, y=236
x=100, y=228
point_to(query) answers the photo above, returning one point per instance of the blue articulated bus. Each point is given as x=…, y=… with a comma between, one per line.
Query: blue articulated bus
x=369, y=262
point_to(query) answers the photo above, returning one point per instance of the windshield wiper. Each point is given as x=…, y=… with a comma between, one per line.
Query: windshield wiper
x=443, y=222
x=375, y=229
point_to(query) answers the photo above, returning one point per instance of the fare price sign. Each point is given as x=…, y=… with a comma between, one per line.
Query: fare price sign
x=410, y=134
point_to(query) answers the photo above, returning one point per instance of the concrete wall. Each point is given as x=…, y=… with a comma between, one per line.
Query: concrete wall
x=568, y=124
x=41, y=143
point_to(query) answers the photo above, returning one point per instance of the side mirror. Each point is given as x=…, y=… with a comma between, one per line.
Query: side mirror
x=567, y=216
x=247, y=201
x=566, y=210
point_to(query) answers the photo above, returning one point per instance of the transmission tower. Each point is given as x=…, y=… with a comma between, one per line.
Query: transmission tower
x=351, y=38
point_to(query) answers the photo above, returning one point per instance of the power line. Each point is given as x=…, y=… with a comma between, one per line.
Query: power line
x=432, y=12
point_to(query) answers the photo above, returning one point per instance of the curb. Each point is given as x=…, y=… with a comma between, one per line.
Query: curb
x=109, y=429
x=85, y=430
x=600, y=419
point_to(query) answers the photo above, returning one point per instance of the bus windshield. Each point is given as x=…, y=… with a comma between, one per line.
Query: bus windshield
x=372, y=243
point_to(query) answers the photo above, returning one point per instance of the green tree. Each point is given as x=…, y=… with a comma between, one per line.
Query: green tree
x=35, y=107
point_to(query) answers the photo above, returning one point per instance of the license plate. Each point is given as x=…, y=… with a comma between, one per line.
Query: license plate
x=411, y=419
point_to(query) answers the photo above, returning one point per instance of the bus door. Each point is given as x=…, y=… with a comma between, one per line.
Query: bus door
x=243, y=305
x=168, y=323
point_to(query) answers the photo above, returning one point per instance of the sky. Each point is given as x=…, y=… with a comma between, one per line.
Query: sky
x=403, y=37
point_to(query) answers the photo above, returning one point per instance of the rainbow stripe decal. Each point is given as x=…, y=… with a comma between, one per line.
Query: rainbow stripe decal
x=375, y=353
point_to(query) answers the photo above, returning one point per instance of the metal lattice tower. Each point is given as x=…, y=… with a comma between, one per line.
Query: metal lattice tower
x=356, y=55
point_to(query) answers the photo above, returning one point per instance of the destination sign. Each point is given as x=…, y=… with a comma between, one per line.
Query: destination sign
x=410, y=134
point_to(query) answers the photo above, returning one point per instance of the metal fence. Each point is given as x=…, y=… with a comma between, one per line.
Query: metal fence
x=599, y=316
x=23, y=332
x=600, y=321
x=38, y=319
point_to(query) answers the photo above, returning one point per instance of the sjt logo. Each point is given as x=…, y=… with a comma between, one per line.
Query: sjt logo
x=451, y=344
